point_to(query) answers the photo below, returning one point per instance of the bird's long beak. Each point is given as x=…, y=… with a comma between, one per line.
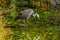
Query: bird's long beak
x=37, y=15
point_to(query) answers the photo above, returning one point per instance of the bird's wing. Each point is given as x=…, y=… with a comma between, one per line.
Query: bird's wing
x=26, y=13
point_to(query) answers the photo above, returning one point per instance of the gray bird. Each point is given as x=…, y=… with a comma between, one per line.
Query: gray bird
x=26, y=14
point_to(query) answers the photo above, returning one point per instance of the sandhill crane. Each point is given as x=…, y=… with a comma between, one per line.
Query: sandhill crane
x=26, y=14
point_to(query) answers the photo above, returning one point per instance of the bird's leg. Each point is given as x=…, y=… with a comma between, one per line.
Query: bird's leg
x=24, y=22
x=27, y=20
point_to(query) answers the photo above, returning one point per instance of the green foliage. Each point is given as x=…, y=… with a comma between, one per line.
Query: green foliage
x=47, y=27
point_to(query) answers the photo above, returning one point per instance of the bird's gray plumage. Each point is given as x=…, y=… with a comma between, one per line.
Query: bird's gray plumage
x=26, y=14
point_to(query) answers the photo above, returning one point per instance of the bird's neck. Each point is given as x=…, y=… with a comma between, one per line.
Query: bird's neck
x=36, y=15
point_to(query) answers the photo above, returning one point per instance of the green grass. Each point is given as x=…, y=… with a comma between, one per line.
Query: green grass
x=43, y=28
x=47, y=27
x=27, y=33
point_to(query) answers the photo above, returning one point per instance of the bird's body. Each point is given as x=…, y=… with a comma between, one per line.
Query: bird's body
x=26, y=14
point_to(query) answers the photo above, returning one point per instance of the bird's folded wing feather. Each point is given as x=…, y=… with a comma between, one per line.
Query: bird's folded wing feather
x=26, y=13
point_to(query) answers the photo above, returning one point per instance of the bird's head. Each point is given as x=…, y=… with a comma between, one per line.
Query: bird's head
x=37, y=15
x=17, y=17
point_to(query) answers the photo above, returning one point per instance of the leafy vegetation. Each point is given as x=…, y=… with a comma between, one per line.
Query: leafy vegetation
x=47, y=27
